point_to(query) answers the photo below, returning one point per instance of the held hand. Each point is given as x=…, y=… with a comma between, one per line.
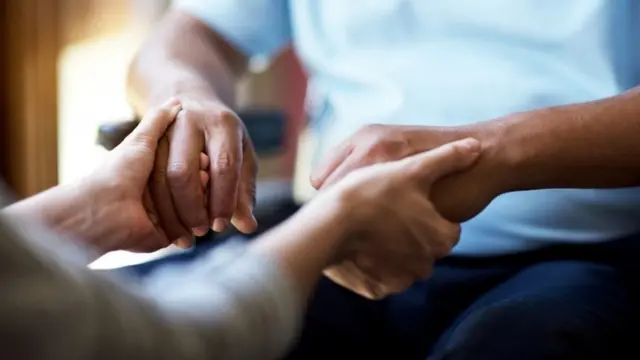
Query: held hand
x=119, y=187
x=184, y=208
x=396, y=233
x=458, y=197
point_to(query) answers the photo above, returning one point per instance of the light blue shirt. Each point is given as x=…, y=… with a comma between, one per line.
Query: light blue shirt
x=428, y=62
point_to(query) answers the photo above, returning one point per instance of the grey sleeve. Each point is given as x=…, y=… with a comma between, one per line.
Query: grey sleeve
x=234, y=304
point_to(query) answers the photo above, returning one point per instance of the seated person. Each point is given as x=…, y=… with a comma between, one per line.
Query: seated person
x=238, y=302
x=550, y=89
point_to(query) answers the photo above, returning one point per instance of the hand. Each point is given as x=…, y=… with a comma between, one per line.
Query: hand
x=458, y=197
x=118, y=189
x=204, y=125
x=396, y=233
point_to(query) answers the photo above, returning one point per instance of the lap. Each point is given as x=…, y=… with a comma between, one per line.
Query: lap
x=551, y=310
x=502, y=308
x=560, y=306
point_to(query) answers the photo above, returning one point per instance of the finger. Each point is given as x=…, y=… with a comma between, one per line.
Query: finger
x=185, y=242
x=353, y=162
x=150, y=207
x=204, y=161
x=444, y=160
x=161, y=195
x=183, y=173
x=243, y=218
x=204, y=180
x=159, y=238
x=224, y=148
x=337, y=156
x=154, y=125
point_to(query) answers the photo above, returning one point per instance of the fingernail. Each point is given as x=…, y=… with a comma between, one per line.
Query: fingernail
x=219, y=224
x=183, y=242
x=245, y=226
x=176, y=109
x=200, y=231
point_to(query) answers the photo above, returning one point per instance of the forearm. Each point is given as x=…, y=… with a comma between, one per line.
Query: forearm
x=308, y=242
x=588, y=145
x=66, y=209
x=235, y=303
x=183, y=56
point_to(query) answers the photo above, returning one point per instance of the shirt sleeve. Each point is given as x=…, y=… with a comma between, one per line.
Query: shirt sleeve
x=256, y=27
x=233, y=304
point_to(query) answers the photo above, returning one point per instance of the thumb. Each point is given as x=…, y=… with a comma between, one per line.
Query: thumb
x=444, y=160
x=155, y=124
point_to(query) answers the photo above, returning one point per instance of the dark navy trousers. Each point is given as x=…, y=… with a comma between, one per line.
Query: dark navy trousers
x=562, y=302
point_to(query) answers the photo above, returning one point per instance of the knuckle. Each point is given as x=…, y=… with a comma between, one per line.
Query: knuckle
x=179, y=174
x=224, y=164
x=227, y=117
x=187, y=115
x=224, y=118
x=459, y=151
x=379, y=150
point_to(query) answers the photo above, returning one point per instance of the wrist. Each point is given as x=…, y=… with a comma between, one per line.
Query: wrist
x=178, y=82
x=90, y=215
x=332, y=217
x=499, y=156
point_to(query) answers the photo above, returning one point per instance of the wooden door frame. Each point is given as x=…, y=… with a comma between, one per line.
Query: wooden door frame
x=29, y=118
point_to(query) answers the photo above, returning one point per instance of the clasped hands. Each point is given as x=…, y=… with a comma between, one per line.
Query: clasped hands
x=403, y=194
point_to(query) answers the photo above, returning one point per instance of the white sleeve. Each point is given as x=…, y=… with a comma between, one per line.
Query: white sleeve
x=256, y=27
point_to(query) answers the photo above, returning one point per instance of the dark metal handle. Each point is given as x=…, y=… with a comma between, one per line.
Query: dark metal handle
x=111, y=135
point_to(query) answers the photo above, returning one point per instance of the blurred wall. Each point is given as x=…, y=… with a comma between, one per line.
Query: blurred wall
x=29, y=32
x=3, y=97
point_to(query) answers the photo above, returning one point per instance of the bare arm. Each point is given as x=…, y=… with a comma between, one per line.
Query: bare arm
x=236, y=303
x=67, y=210
x=186, y=59
x=183, y=55
x=588, y=145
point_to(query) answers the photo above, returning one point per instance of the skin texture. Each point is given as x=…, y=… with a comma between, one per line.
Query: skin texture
x=201, y=70
x=109, y=210
x=588, y=145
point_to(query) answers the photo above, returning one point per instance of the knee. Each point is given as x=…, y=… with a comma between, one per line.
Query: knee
x=517, y=329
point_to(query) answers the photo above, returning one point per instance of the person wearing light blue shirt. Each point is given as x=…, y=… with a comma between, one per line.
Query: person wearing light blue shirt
x=550, y=228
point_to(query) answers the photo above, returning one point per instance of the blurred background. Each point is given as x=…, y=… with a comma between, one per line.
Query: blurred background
x=63, y=67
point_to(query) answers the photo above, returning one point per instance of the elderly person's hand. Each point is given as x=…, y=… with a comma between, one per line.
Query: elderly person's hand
x=204, y=126
x=111, y=209
x=396, y=232
x=119, y=187
x=457, y=198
